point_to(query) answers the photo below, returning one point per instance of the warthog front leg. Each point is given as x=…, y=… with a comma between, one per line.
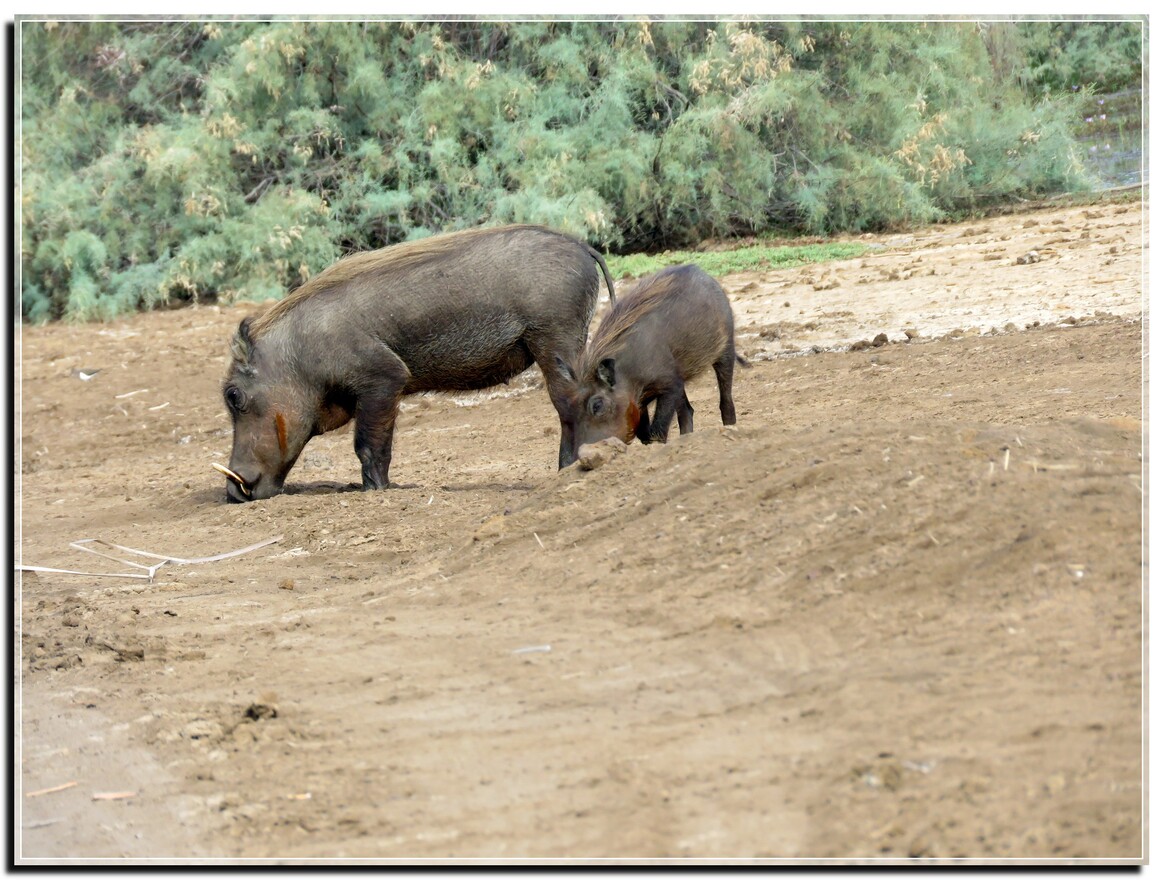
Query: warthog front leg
x=642, y=430
x=669, y=402
x=376, y=408
x=375, y=427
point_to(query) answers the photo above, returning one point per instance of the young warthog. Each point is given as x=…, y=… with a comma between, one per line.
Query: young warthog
x=668, y=329
x=454, y=312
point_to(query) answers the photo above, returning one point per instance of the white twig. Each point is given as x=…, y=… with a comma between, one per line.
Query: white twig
x=175, y=559
x=52, y=790
x=150, y=570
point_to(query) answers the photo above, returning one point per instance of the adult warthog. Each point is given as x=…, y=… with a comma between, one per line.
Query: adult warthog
x=454, y=312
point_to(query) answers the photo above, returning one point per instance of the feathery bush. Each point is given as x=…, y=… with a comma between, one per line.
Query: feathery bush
x=163, y=162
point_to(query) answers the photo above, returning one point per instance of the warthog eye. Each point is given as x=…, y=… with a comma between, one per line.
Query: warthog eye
x=236, y=399
x=596, y=406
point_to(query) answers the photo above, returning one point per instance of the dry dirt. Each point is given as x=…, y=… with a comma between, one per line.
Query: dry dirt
x=896, y=612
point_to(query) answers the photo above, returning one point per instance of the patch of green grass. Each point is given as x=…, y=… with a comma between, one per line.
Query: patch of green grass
x=745, y=259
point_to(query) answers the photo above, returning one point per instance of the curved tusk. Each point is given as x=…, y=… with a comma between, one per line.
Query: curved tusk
x=231, y=475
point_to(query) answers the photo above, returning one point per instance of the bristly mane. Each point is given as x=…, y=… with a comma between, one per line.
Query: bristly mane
x=398, y=256
x=642, y=299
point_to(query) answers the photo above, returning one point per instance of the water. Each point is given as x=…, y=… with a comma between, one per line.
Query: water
x=1112, y=134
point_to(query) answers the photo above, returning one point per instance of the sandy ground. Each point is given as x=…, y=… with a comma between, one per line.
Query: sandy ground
x=897, y=612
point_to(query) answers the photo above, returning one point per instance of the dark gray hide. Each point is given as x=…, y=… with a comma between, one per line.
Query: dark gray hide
x=456, y=312
x=672, y=326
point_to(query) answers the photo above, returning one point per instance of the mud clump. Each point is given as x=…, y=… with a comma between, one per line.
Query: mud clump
x=595, y=455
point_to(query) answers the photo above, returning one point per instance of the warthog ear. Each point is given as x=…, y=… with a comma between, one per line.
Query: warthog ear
x=565, y=369
x=606, y=372
x=241, y=345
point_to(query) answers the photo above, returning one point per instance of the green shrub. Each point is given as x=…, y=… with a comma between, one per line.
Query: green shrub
x=169, y=161
x=1064, y=56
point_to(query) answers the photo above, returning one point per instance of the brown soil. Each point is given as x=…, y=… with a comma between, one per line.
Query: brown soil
x=896, y=612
